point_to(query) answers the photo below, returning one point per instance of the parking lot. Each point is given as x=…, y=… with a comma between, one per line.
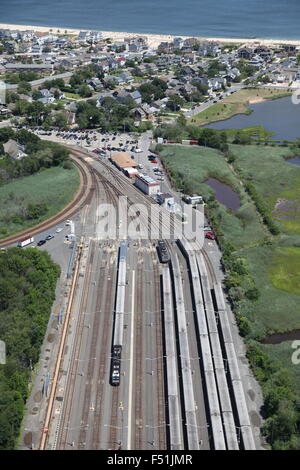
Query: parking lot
x=95, y=140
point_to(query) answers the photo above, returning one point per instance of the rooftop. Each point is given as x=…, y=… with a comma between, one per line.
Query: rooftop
x=123, y=160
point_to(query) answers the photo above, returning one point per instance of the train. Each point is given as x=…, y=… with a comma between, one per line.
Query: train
x=163, y=252
x=116, y=353
x=116, y=365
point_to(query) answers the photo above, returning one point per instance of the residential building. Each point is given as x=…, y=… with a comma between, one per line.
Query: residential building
x=14, y=150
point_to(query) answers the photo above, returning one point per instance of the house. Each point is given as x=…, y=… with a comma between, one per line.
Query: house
x=178, y=43
x=36, y=48
x=139, y=114
x=245, y=53
x=47, y=97
x=93, y=36
x=191, y=42
x=136, y=43
x=95, y=83
x=14, y=150
x=136, y=96
x=57, y=93
x=217, y=83
x=126, y=77
x=209, y=48
x=4, y=111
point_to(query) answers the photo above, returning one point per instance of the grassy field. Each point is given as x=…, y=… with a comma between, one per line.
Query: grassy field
x=285, y=270
x=218, y=112
x=282, y=354
x=252, y=95
x=277, y=309
x=190, y=167
x=276, y=180
x=236, y=104
x=55, y=187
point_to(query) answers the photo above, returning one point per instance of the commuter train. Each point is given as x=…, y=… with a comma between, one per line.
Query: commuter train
x=163, y=252
x=116, y=365
x=115, y=371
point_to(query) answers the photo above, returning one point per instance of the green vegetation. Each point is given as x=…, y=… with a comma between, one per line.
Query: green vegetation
x=40, y=154
x=188, y=168
x=262, y=266
x=219, y=112
x=180, y=131
x=285, y=270
x=16, y=78
x=236, y=104
x=27, y=286
x=110, y=116
x=32, y=199
x=276, y=181
x=155, y=90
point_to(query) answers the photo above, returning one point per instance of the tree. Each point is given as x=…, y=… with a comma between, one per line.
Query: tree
x=60, y=121
x=175, y=102
x=24, y=88
x=84, y=91
x=36, y=95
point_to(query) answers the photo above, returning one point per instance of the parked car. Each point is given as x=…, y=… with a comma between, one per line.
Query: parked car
x=41, y=242
x=210, y=235
x=50, y=236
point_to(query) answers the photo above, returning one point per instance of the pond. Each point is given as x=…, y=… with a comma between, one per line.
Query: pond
x=280, y=116
x=294, y=160
x=224, y=194
x=278, y=338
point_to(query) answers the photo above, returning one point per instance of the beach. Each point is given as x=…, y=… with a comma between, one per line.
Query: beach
x=153, y=39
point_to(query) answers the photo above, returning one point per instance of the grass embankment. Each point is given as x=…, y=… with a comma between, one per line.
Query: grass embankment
x=54, y=187
x=236, y=104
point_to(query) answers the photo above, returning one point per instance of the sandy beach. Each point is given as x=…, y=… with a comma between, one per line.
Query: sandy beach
x=153, y=39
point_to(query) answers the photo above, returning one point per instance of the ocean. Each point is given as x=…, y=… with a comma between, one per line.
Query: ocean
x=275, y=19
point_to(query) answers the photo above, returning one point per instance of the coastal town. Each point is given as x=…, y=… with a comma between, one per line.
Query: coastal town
x=47, y=74
x=176, y=335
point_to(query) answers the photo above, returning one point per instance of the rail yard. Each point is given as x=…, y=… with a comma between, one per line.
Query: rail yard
x=145, y=356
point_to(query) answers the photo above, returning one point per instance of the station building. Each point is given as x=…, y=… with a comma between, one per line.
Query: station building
x=147, y=184
x=123, y=160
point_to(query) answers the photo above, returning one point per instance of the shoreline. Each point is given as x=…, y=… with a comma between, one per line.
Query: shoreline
x=153, y=39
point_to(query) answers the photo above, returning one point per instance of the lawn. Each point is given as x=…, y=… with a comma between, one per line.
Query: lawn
x=72, y=96
x=54, y=186
x=253, y=95
x=218, y=112
x=236, y=104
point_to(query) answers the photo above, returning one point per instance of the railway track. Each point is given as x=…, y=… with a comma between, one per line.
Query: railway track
x=139, y=377
x=161, y=412
x=73, y=371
